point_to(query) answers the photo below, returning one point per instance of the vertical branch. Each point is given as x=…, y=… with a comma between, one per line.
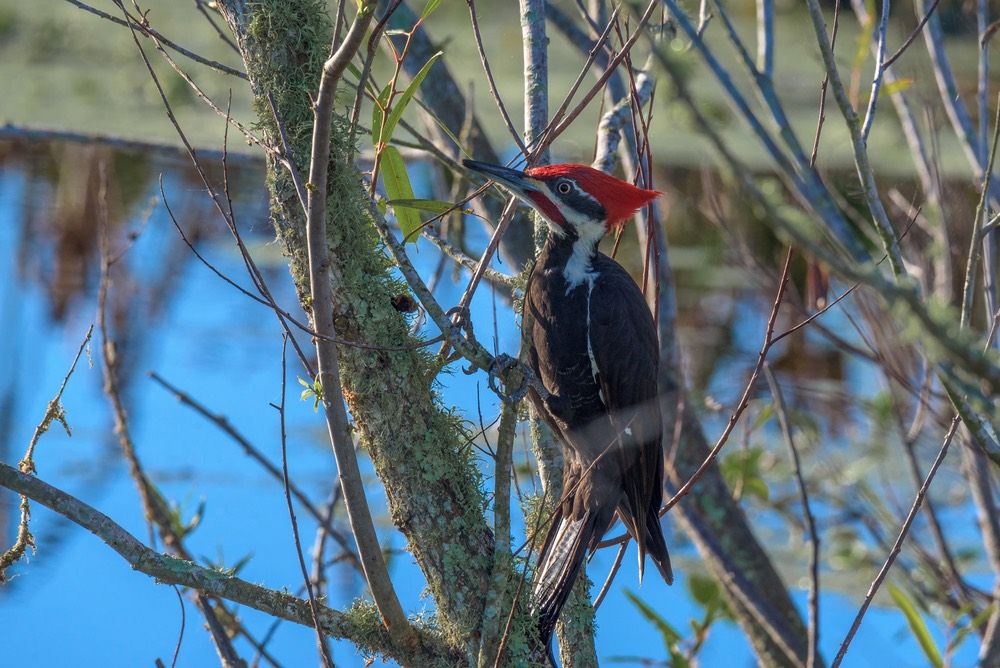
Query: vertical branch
x=821, y=116
x=975, y=247
x=922, y=160
x=883, y=26
x=786, y=430
x=863, y=165
x=501, y=597
x=320, y=639
x=991, y=241
x=765, y=37
x=328, y=379
x=536, y=77
x=982, y=23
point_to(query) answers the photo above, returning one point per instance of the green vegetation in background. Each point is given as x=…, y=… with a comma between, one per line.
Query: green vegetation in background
x=67, y=69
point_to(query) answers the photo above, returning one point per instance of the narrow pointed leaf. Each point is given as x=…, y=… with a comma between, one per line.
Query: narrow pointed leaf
x=671, y=638
x=917, y=626
x=436, y=206
x=397, y=109
x=444, y=128
x=897, y=86
x=397, y=187
x=429, y=8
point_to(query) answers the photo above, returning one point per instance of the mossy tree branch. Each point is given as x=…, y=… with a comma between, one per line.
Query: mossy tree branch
x=321, y=294
x=415, y=445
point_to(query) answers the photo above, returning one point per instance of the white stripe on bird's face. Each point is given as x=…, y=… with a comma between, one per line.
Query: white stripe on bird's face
x=584, y=214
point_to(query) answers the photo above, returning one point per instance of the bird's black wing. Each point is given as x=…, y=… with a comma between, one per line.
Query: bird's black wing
x=626, y=355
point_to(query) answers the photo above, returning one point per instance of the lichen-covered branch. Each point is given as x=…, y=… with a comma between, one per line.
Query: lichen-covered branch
x=432, y=486
x=321, y=295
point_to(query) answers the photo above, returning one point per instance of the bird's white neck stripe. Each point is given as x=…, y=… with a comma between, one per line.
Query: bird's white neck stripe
x=579, y=269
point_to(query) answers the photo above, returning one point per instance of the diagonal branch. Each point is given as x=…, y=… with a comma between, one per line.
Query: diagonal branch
x=173, y=570
x=149, y=32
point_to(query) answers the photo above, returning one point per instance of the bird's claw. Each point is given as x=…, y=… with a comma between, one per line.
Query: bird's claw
x=460, y=320
x=501, y=364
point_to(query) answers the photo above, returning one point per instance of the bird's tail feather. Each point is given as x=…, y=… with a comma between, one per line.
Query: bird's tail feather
x=656, y=547
x=558, y=565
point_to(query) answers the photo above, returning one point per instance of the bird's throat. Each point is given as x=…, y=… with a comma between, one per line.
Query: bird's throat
x=573, y=256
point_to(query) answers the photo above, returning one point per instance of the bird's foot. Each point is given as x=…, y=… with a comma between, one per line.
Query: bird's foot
x=512, y=371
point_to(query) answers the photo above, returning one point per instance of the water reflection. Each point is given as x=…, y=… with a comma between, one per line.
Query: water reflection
x=169, y=313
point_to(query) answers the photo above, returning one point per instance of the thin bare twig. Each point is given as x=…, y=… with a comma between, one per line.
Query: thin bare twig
x=255, y=454
x=54, y=412
x=168, y=569
x=897, y=546
x=313, y=608
x=821, y=116
x=489, y=78
x=741, y=406
x=786, y=430
x=866, y=175
x=883, y=27
x=200, y=6
x=913, y=35
x=180, y=634
x=745, y=399
x=611, y=575
x=976, y=245
x=149, y=32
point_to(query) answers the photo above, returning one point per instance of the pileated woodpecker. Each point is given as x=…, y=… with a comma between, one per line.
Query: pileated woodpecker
x=595, y=351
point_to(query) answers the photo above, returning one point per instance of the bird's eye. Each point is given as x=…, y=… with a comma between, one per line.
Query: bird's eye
x=564, y=188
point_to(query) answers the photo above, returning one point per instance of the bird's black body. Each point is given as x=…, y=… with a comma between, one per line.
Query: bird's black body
x=595, y=350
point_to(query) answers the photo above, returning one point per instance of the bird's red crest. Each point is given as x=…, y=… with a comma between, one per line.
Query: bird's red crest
x=620, y=199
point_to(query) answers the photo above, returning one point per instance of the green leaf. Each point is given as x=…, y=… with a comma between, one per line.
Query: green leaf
x=436, y=206
x=917, y=625
x=757, y=487
x=897, y=86
x=864, y=39
x=704, y=590
x=671, y=638
x=397, y=187
x=765, y=414
x=400, y=106
x=429, y=9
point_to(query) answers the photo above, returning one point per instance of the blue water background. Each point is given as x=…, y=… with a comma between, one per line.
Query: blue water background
x=78, y=603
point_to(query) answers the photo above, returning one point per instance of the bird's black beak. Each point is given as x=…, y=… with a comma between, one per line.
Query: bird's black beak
x=514, y=180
